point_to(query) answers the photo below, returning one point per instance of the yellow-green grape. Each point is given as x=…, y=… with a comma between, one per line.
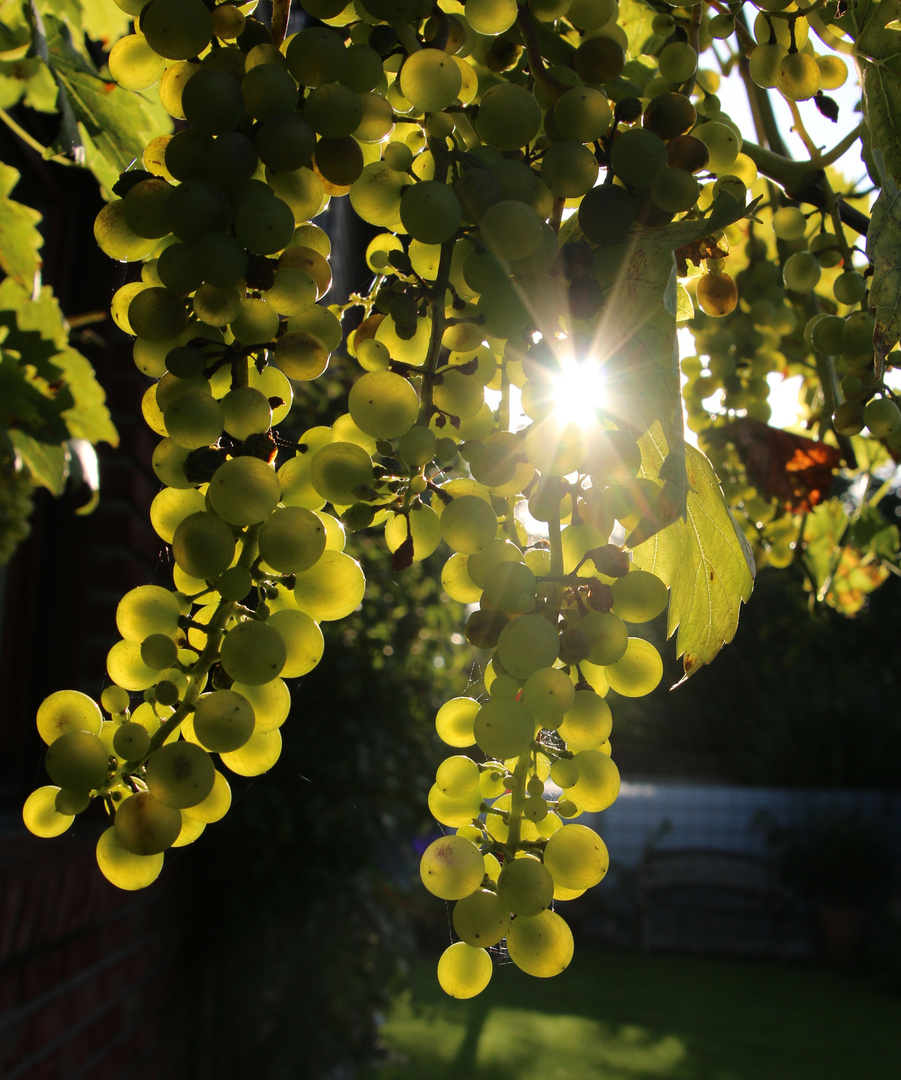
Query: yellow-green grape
x=789, y=223
x=576, y=857
x=638, y=672
x=253, y=652
x=215, y=806
x=114, y=699
x=332, y=110
x=510, y=587
x=261, y=751
x=170, y=507
x=452, y=867
x=582, y=114
x=458, y=394
x=194, y=419
x=556, y=446
x=526, y=644
x=146, y=210
x=264, y=224
x=882, y=417
x=245, y=412
x=157, y=314
x=269, y=91
x=234, y=583
x=177, y=29
x=420, y=525
x=723, y=143
x=468, y=524
x=525, y=886
x=464, y=971
x=598, y=783
x=147, y=610
x=73, y=802
x=292, y=539
x=180, y=774
x=455, y=720
x=41, y=816
x=122, y=867
x=481, y=919
x=131, y=741
x=801, y=272
x=303, y=641
x=564, y=773
x=509, y=117
x=677, y=62
x=799, y=76
x=503, y=728
x=491, y=17
x=607, y=636
x=593, y=14
x=675, y=190
x=491, y=781
x=223, y=720
x=457, y=808
x=587, y=723
x=271, y=703
x=191, y=828
x=316, y=55
x=145, y=826
x=540, y=945
x=510, y=230
x=340, y=471
x=203, y=545
x=430, y=212
x=244, y=491
x=65, y=711
x=133, y=64
x=301, y=355
x=114, y=237
x=717, y=294
x=765, y=63
x=548, y=694
x=331, y=589
x=383, y=404
x=456, y=581
x=569, y=169
x=638, y=156
x=78, y=760
x=227, y=22
x=850, y=287
x=833, y=71
x=430, y=79
x=849, y=418
x=639, y=596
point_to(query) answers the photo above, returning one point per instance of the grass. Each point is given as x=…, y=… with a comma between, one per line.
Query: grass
x=629, y=1017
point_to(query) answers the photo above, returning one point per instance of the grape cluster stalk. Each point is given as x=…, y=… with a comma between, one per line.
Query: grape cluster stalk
x=506, y=153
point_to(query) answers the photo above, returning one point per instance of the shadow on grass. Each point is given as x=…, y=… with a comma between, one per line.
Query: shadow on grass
x=628, y=1017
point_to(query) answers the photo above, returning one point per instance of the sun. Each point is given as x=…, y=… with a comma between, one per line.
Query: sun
x=578, y=391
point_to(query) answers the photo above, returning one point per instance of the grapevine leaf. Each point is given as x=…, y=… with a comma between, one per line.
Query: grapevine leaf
x=635, y=18
x=106, y=126
x=637, y=342
x=48, y=462
x=98, y=19
x=30, y=81
x=685, y=309
x=884, y=253
x=879, y=62
x=63, y=390
x=20, y=241
x=15, y=29
x=705, y=560
x=26, y=403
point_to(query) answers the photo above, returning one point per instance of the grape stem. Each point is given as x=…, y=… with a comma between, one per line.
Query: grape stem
x=215, y=629
x=437, y=306
x=517, y=802
x=551, y=86
x=281, y=13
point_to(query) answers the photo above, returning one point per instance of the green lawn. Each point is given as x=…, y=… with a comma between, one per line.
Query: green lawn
x=628, y=1017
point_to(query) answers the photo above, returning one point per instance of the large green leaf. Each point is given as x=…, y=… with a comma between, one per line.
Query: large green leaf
x=20, y=240
x=635, y=341
x=53, y=392
x=48, y=462
x=635, y=17
x=704, y=559
x=878, y=55
x=28, y=81
x=884, y=253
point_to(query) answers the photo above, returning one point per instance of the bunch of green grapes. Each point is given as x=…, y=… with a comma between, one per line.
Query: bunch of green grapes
x=16, y=492
x=467, y=134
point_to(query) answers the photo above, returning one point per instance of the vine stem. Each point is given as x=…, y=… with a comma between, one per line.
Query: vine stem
x=801, y=131
x=551, y=86
x=517, y=802
x=555, y=539
x=215, y=629
x=29, y=140
x=281, y=13
x=437, y=306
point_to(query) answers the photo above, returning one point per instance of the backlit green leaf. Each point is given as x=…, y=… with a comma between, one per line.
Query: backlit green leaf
x=20, y=240
x=705, y=560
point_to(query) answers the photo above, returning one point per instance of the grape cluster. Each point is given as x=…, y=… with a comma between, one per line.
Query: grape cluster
x=466, y=134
